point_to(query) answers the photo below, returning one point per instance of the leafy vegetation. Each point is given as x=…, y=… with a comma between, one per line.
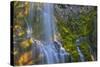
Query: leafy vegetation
x=22, y=53
x=81, y=25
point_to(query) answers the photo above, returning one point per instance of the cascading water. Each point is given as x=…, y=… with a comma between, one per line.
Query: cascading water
x=78, y=41
x=53, y=56
x=48, y=34
x=46, y=51
x=28, y=22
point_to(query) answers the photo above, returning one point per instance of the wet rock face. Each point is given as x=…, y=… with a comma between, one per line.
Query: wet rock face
x=57, y=46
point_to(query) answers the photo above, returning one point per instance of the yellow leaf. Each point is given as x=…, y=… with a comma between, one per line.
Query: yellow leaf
x=30, y=41
x=25, y=58
x=17, y=27
x=20, y=33
x=26, y=43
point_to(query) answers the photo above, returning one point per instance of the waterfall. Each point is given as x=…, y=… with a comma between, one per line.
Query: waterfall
x=78, y=41
x=49, y=30
x=46, y=51
x=28, y=21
